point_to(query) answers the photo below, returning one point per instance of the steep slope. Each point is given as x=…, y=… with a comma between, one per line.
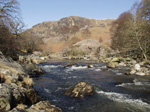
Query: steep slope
x=70, y=30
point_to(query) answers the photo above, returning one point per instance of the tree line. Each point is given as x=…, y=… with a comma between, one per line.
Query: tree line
x=12, y=40
x=131, y=32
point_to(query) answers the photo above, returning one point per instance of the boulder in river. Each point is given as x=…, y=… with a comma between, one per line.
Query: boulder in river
x=137, y=67
x=112, y=65
x=90, y=66
x=80, y=90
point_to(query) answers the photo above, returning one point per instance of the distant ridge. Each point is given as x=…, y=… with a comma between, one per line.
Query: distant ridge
x=70, y=30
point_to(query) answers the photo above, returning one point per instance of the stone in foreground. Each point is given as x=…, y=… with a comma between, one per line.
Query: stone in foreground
x=42, y=106
x=80, y=90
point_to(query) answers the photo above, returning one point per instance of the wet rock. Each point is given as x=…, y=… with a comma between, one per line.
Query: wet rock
x=8, y=75
x=5, y=98
x=69, y=65
x=43, y=106
x=4, y=104
x=122, y=64
x=37, y=60
x=128, y=59
x=33, y=70
x=137, y=67
x=115, y=59
x=32, y=59
x=90, y=66
x=21, y=106
x=32, y=96
x=80, y=90
x=19, y=94
x=133, y=72
x=140, y=73
x=112, y=65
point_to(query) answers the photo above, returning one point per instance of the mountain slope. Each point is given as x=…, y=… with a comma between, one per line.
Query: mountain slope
x=70, y=30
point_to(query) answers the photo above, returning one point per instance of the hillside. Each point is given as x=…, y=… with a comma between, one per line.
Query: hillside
x=70, y=30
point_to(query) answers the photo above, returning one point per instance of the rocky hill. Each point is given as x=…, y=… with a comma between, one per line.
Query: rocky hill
x=70, y=30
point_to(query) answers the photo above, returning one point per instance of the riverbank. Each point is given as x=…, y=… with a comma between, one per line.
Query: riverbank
x=16, y=89
x=17, y=92
x=113, y=87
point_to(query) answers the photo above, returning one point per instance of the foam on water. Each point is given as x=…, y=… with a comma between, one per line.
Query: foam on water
x=47, y=90
x=78, y=67
x=103, y=67
x=135, y=83
x=71, y=77
x=97, y=70
x=119, y=73
x=59, y=88
x=75, y=68
x=123, y=98
x=48, y=68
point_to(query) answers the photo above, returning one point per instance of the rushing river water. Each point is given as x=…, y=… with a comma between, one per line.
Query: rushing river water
x=115, y=91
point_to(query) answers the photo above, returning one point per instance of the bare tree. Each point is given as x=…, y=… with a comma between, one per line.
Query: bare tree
x=10, y=27
x=130, y=32
x=10, y=16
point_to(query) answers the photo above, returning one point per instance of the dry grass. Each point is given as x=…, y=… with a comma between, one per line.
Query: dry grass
x=99, y=31
x=21, y=106
x=2, y=78
x=28, y=81
x=9, y=68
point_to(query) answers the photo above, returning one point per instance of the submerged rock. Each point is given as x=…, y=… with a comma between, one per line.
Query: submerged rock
x=80, y=90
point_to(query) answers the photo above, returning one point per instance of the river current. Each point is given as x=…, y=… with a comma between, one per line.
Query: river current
x=115, y=91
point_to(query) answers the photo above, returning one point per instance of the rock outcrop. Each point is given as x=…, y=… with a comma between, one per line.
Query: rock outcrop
x=42, y=106
x=69, y=30
x=89, y=49
x=16, y=91
x=80, y=90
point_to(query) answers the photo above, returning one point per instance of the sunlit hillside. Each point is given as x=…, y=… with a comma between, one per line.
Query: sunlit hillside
x=70, y=30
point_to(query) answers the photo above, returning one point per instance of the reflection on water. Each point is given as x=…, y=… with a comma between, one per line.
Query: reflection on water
x=115, y=91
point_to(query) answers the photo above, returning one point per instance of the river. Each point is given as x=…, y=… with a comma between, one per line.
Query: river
x=115, y=91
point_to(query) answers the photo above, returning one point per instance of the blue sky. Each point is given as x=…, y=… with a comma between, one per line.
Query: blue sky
x=37, y=11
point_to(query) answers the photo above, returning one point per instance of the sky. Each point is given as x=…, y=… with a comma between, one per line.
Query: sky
x=38, y=11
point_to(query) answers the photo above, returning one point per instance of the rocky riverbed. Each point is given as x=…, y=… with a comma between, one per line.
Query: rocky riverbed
x=16, y=85
x=16, y=88
x=69, y=85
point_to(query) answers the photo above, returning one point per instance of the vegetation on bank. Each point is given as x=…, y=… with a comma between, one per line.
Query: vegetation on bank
x=131, y=32
x=12, y=40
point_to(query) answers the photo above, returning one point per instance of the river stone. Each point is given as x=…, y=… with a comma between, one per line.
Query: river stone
x=122, y=64
x=32, y=96
x=4, y=104
x=133, y=72
x=43, y=106
x=112, y=64
x=115, y=59
x=140, y=73
x=90, y=66
x=5, y=97
x=80, y=90
x=137, y=67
